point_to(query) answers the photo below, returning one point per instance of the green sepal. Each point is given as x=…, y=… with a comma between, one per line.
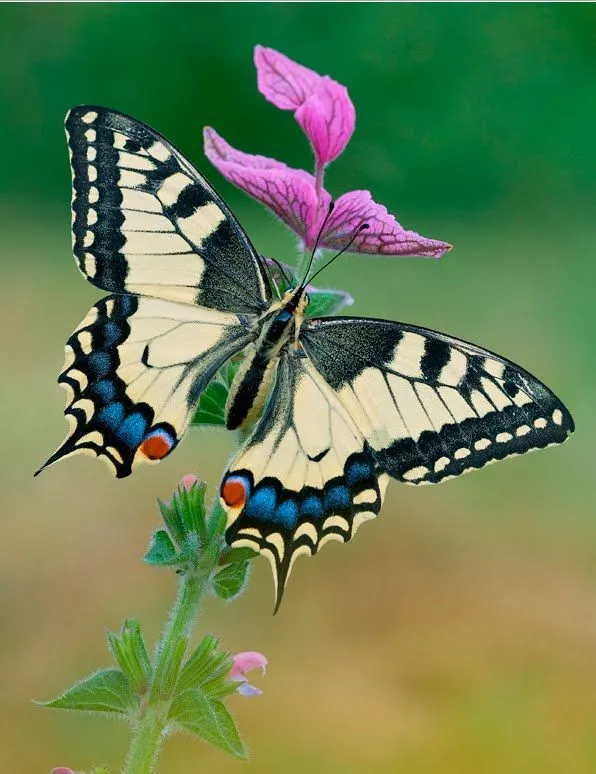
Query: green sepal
x=209, y=719
x=325, y=301
x=166, y=678
x=197, y=664
x=208, y=669
x=184, y=543
x=218, y=520
x=230, y=580
x=211, y=408
x=322, y=301
x=108, y=690
x=129, y=649
x=161, y=552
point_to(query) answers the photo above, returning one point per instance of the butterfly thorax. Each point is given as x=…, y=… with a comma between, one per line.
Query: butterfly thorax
x=278, y=329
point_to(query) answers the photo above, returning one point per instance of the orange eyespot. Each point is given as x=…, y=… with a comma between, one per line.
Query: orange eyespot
x=156, y=446
x=233, y=492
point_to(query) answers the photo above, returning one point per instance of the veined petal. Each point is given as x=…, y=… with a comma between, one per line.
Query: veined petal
x=327, y=118
x=384, y=236
x=282, y=81
x=322, y=106
x=289, y=192
x=218, y=150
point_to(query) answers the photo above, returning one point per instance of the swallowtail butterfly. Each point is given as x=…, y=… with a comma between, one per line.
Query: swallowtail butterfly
x=341, y=404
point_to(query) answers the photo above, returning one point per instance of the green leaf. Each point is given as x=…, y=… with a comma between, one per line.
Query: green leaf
x=208, y=719
x=162, y=551
x=325, y=302
x=230, y=581
x=237, y=555
x=108, y=690
x=130, y=651
x=212, y=402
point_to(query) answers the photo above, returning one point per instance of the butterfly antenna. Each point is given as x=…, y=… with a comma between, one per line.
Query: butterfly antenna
x=304, y=283
x=358, y=231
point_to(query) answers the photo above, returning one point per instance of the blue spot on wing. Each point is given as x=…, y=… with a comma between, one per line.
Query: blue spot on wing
x=99, y=364
x=286, y=514
x=262, y=504
x=111, y=334
x=105, y=390
x=337, y=498
x=132, y=430
x=112, y=415
x=357, y=472
x=312, y=508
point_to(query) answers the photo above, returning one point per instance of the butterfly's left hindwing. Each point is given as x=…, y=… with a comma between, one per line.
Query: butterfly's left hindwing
x=134, y=370
x=305, y=475
x=146, y=222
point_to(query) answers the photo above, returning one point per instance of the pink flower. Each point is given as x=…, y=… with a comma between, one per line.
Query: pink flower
x=61, y=770
x=295, y=198
x=321, y=106
x=325, y=112
x=187, y=482
x=246, y=662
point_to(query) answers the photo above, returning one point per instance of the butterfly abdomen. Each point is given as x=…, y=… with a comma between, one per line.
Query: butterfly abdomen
x=255, y=376
x=250, y=388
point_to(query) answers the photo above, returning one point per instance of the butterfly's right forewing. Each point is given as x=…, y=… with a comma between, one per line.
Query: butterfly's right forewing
x=146, y=222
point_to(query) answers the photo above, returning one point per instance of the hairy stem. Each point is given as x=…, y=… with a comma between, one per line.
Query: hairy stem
x=145, y=745
x=171, y=650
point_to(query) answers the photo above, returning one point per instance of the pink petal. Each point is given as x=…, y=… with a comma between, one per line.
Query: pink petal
x=323, y=107
x=384, y=236
x=187, y=482
x=289, y=192
x=217, y=149
x=281, y=81
x=328, y=119
x=246, y=662
x=61, y=770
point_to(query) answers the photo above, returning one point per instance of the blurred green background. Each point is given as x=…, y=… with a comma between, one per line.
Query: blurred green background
x=457, y=634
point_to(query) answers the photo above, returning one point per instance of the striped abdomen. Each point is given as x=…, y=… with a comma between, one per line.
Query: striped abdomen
x=250, y=389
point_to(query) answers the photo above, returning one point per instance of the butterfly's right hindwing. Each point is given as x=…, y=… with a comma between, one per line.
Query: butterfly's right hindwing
x=146, y=222
x=134, y=370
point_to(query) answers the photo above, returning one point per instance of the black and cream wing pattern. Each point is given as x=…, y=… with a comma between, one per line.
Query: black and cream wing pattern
x=186, y=285
x=331, y=408
x=366, y=400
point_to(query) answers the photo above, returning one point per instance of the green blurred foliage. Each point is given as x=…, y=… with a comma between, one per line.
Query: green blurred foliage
x=458, y=633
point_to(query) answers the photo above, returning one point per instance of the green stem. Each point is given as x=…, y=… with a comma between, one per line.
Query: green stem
x=148, y=734
x=144, y=749
x=175, y=636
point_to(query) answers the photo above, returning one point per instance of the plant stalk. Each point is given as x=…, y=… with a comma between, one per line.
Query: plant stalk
x=173, y=644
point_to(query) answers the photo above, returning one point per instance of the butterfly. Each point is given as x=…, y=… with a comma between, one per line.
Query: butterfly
x=337, y=405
